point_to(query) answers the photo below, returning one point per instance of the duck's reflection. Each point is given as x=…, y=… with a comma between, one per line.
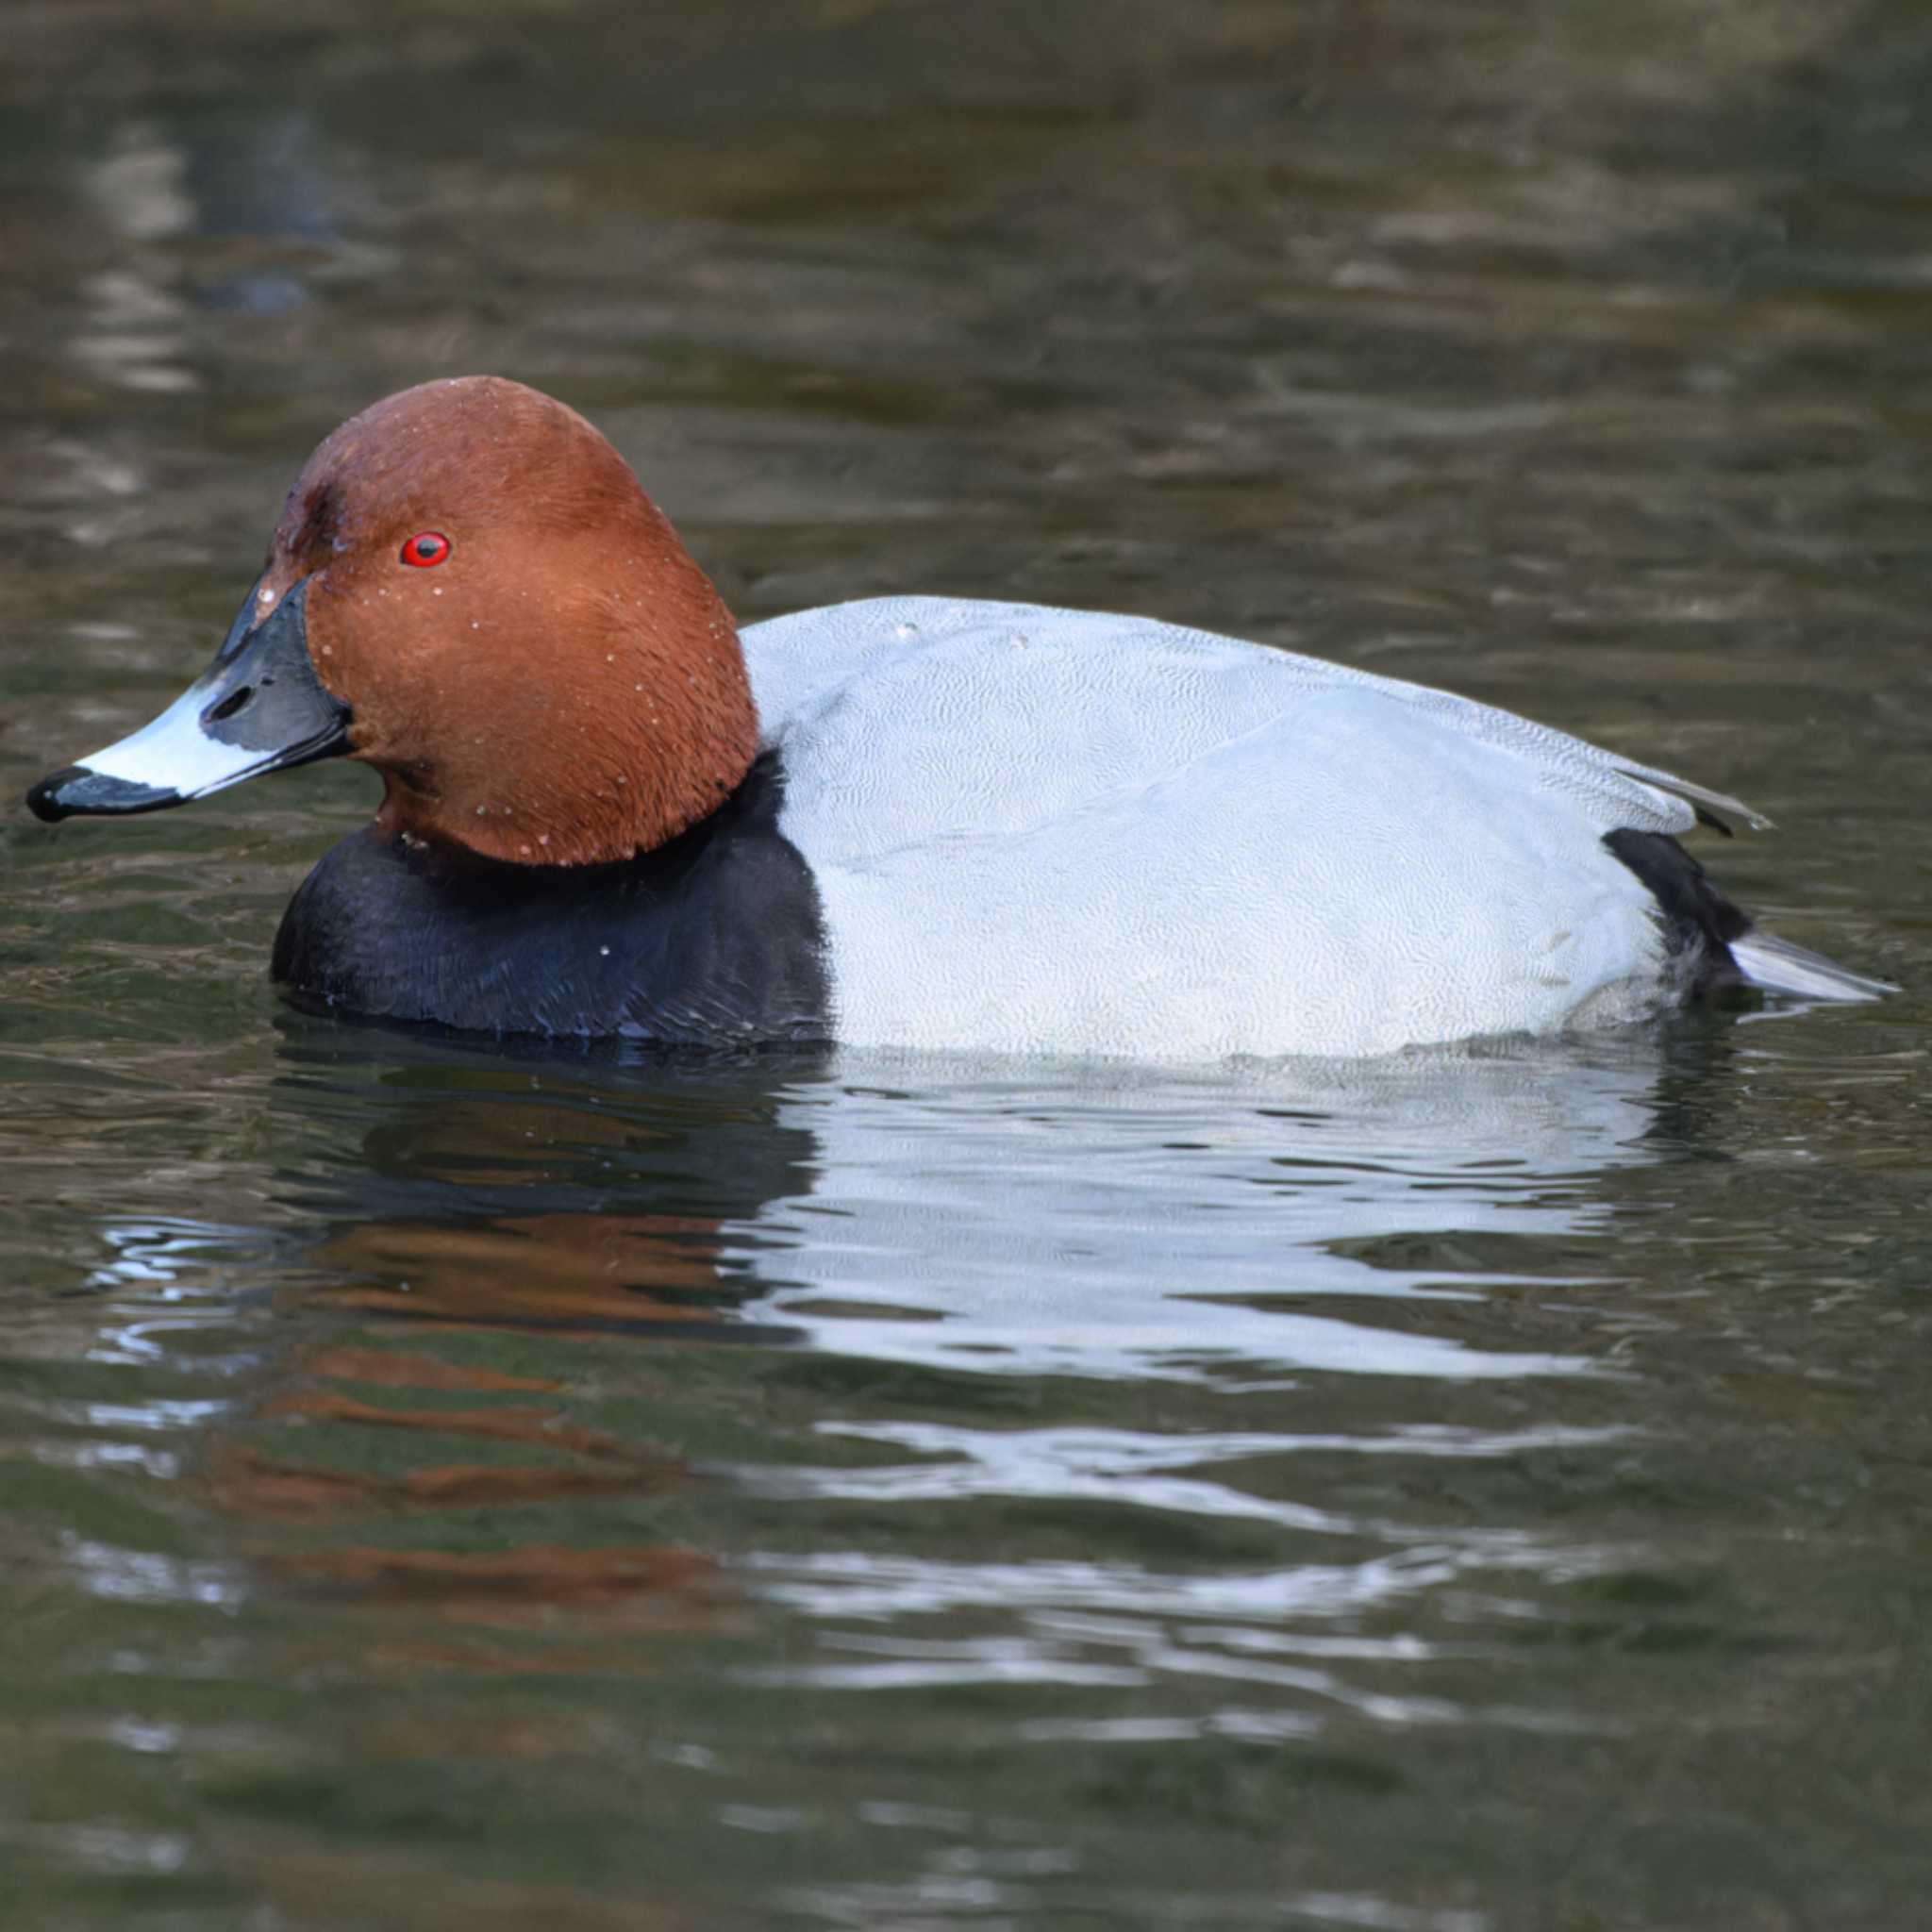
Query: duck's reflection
x=558, y=1297
x=1277, y=1218
x=1025, y=1217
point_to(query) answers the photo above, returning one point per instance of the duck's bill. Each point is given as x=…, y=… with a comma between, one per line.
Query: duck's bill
x=258, y=707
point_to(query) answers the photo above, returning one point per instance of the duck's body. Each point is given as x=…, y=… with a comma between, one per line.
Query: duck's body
x=918, y=822
x=1005, y=828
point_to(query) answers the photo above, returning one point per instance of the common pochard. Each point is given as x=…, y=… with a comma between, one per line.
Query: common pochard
x=913, y=822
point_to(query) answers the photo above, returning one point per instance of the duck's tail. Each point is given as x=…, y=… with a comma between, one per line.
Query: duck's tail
x=1781, y=967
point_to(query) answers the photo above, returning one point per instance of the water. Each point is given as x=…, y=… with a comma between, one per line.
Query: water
x=460, y=1488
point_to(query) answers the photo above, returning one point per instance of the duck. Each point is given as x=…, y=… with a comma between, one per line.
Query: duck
x=913, y=822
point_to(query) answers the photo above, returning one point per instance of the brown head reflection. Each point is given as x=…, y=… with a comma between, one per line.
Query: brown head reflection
x=488, y=1328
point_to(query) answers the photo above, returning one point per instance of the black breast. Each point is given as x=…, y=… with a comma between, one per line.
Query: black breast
x=716, y=939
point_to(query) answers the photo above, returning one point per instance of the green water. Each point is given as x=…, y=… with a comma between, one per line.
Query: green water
x=449, y=1489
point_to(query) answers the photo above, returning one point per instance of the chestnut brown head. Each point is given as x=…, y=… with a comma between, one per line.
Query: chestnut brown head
x=468, y=589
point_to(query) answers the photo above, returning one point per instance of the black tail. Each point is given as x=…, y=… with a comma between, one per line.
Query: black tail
x=1699, y=922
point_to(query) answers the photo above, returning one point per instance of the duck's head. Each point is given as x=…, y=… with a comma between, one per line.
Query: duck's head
x=468, y=589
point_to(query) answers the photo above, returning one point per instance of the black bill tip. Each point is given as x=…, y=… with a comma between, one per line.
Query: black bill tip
x=78, y=791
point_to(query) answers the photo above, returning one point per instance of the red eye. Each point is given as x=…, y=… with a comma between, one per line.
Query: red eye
x=427, y=550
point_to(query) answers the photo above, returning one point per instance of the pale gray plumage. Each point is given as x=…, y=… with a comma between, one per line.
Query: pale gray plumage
x=1035, y=829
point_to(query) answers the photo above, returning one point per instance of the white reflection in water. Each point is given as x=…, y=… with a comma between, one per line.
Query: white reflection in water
x=855, y=1585
x=1118, y=1466
x=1106, y=1221
x=146, y=1576
x=1138, y=1228
x=154, y=1250
x=940, y=1898
x=105, y=1848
